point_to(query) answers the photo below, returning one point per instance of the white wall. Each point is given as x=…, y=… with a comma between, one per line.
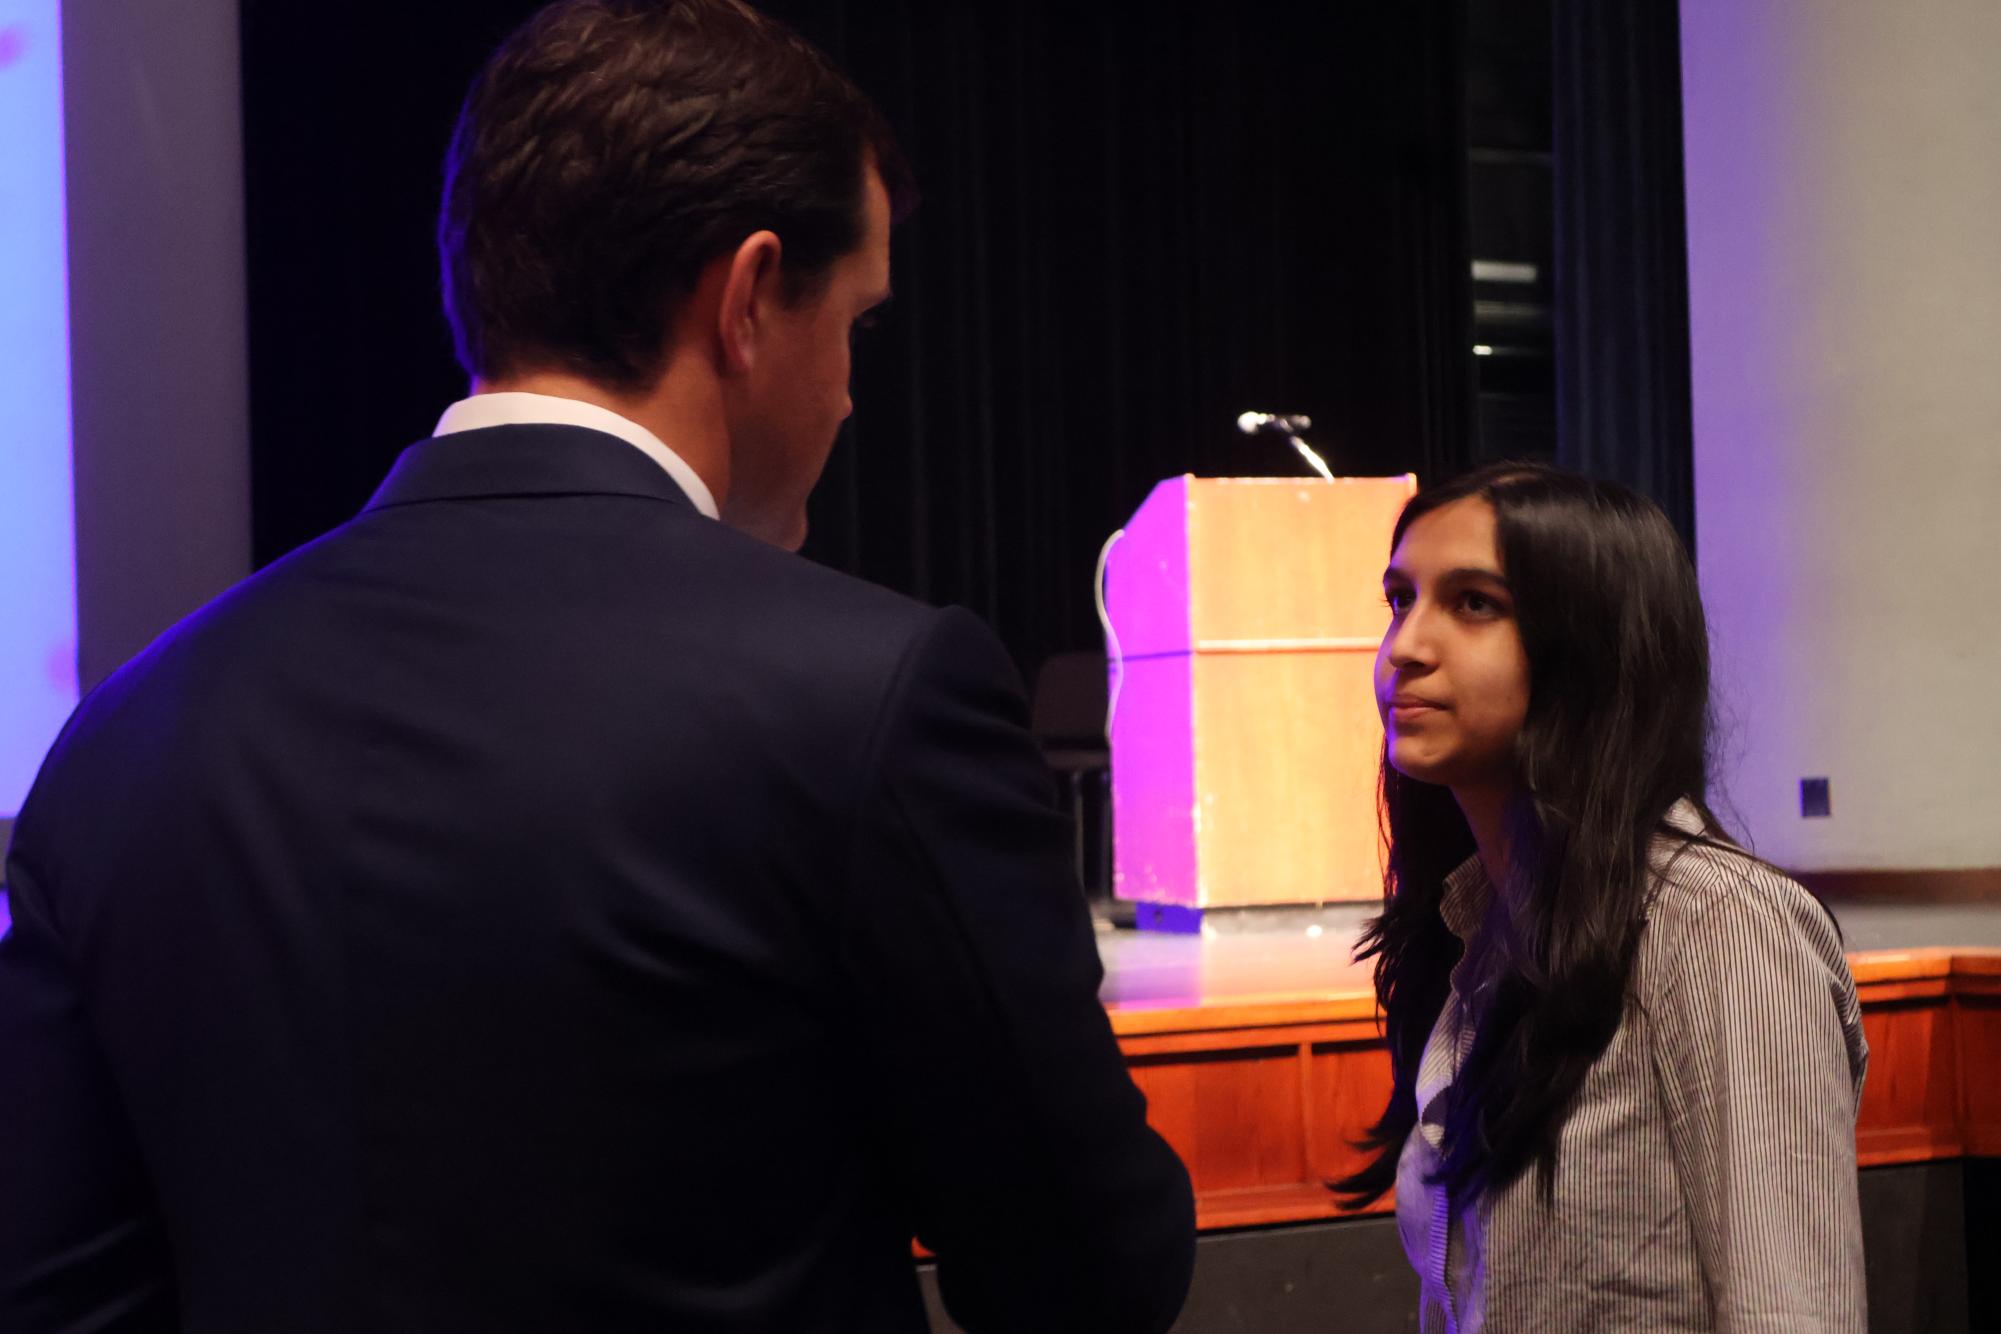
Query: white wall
x=159, y=375
x=158, y=345
x=1844, y=235
x=37, y=532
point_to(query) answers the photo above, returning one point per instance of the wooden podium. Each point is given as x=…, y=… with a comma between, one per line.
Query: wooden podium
x=1245, y=742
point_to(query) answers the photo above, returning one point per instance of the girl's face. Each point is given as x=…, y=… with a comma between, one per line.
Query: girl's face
x=1452, y=681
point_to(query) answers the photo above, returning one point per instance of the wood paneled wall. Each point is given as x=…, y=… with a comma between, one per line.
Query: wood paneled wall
x=1263, y=1101
x=1933, y=1019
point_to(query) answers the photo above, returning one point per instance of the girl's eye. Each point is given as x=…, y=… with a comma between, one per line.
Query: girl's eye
x=1479, y=604
x=1397, y=600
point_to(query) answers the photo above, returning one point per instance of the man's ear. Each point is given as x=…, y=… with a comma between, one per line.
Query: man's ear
x=750, y=294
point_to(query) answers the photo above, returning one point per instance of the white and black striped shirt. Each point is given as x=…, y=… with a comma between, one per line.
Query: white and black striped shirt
x=1707, y=1169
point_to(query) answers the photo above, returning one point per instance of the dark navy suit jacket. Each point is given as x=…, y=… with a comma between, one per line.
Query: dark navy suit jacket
x=537, y=907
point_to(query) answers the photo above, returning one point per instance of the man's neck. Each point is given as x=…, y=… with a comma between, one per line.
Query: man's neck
x=682, y=411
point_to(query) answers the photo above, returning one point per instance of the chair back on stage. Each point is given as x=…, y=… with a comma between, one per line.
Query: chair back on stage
x=1244, y=615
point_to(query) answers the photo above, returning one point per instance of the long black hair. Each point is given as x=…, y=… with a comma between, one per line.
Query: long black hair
x=1617, y=732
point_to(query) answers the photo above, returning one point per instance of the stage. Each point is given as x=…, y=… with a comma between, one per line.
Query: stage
x=1261, y=1058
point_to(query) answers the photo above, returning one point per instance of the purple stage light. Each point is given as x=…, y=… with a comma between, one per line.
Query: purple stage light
x=38, y=680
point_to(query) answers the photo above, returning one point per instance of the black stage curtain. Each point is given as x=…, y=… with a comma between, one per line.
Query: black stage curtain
x=1622, y=386
x=1133, y=228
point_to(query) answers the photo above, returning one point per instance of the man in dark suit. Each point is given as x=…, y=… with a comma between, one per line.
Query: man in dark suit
x=539, y=905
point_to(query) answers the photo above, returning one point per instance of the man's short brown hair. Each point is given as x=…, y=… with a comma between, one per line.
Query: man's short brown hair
x=611, y=148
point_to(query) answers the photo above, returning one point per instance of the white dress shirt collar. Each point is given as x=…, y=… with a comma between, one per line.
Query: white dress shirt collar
x=514, y=408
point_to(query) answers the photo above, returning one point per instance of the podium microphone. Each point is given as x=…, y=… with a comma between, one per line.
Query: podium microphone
x=1250, y=423
x=1257, y=423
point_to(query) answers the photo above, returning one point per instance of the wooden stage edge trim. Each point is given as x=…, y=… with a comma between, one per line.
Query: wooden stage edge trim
x=1263, y=1096
x=1980, y=884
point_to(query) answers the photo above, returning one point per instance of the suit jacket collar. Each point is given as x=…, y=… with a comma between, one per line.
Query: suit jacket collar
x=538, y=460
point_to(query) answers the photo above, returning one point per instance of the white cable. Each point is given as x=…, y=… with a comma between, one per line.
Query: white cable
x=1114, y=657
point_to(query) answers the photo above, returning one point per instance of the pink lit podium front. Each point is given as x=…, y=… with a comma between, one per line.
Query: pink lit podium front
x=1244, y=617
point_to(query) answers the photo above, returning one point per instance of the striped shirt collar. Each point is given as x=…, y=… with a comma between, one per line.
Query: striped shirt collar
x=514, y=408
x=1464, y=902
x=1468, y=891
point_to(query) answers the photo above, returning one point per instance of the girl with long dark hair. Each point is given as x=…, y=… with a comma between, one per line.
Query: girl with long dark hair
x=1627, y=1054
